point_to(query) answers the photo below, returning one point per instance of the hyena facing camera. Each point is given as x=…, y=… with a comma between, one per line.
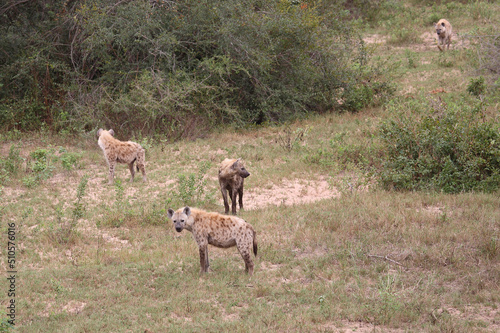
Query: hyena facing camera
x=218, y=230
x=232, y=174
x=443, y=31
x=116, y=151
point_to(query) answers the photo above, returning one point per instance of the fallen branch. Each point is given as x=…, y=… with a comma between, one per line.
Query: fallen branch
x=385, y=258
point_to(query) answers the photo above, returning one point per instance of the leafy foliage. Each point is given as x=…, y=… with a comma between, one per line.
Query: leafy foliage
x=11, y=165
x=175, y=68
x=192, y=187
x=442, y=146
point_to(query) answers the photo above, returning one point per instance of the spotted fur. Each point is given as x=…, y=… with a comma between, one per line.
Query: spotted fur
x=116, y=151
x=216, y=229
x=232, y=174
x=443, y=31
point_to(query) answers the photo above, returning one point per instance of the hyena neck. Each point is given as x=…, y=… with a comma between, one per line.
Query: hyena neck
x=105, y=140
x=101, y=144
x=227, y=173
x=191, y=220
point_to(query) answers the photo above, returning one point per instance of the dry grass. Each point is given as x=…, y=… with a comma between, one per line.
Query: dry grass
x=336, y=254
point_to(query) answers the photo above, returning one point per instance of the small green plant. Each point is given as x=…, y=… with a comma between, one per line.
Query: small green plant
x=30, y=181
x=70, y=160
x=11, y=165
x=433, y=18
x=289, y=139
x=64, y=232
x=121, y=206
x=41, y=166
x=476, y=87
x=412, y=58
x=191, y=188
x=358, y=97
x=157, y=215
x=120, y=193
x=444, y=60
x=389, y=304
x=6, y=326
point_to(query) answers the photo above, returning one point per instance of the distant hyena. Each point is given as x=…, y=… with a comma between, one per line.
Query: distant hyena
x=232, y=174
x=121, y=152
x=443, y=31
x=218, y=230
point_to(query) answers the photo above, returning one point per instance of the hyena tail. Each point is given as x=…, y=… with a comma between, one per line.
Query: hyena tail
x=255, y=243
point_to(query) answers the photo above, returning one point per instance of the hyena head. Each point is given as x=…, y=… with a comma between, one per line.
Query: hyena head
x=440, y=28
x=179, y=218
x=100, y=131
x=240, y=168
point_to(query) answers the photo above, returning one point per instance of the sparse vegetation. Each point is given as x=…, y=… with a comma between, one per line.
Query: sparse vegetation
x=405, y=153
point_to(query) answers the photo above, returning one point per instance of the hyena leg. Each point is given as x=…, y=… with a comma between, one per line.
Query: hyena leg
x=440, y=43
x=244, y=247
x=132, y=171
x=203, y=258
x=207, y=262
x=141, y=166
x=111, y=172
x=224, y=197
x=240, y=196
x=233, y=194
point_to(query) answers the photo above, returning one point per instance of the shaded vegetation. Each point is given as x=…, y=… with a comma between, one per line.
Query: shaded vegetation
x=176, y=68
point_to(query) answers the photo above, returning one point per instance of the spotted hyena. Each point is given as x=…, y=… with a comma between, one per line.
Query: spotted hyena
x=443, y=31
x=232, y=174
x=121, y=152
x=218, y=230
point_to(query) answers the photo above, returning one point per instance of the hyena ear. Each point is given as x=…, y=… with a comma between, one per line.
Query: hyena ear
x=442, y=24
x=170, y=213
x=99, y=132
x=187, y=210
x=235, y=164
x=111, y=132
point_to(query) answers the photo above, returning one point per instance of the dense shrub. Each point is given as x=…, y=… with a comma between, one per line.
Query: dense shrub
x=176, y=68
x=440, y=146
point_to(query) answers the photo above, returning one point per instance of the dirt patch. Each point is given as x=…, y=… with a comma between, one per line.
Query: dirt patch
x=290, y=192
x=74, y=307
x=481, y=313
x=375, y=39
x=427, y=42
x=358, y=327
x=310, y=253
x=434, y=210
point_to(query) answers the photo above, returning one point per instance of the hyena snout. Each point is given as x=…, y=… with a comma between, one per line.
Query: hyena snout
x=178, y=226
x=244, y=173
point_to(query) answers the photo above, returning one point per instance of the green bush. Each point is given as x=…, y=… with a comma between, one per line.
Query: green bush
x=476, y=87
x=11, y=165
x=192, y=188
x=176, y=68
x=447, y=147
x=41, y=166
